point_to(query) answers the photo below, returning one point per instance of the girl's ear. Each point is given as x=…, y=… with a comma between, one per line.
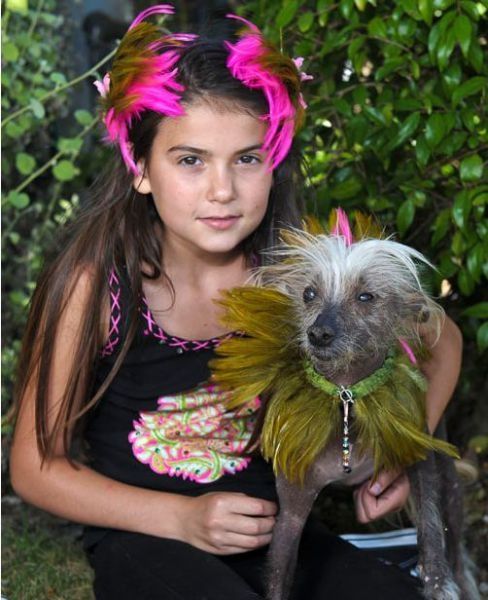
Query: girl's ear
x=141, y=182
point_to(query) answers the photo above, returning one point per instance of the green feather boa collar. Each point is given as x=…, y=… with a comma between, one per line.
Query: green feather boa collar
x=303, y=412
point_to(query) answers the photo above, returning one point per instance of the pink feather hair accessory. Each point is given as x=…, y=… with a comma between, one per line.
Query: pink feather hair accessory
x=143, y=78
x=250, y=61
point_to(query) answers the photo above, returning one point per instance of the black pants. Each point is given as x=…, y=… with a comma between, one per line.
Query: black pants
x=130, y=565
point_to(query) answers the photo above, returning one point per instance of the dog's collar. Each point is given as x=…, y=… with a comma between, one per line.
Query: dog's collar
x=348, y=394
x=362, y=388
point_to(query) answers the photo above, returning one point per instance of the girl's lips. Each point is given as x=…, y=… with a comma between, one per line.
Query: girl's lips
x=219, y=222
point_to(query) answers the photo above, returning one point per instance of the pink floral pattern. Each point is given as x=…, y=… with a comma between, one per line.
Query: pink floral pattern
x=193, y=436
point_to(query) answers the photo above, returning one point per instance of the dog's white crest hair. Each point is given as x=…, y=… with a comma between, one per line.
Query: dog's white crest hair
x=383, y=263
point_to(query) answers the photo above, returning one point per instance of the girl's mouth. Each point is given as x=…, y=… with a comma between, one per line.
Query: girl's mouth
x=220, y=223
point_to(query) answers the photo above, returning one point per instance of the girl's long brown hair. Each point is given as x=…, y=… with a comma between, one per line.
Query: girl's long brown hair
x=115, y=229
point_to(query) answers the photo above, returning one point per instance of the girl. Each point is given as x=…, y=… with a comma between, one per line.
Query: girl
x=123, y=324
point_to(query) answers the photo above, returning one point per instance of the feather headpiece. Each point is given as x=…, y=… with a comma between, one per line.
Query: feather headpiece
x=253, y=61
x=143, y=77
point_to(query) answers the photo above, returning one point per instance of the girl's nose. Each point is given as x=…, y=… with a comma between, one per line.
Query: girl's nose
x=221, y=185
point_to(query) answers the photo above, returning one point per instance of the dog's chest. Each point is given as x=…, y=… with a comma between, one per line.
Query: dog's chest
x=328, y=466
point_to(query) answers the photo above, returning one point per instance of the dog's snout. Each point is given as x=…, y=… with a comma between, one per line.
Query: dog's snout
x=320, y=336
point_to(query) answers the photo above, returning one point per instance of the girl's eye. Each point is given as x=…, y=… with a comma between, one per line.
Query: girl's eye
x=248, y=159
x=365, y=297
x=309, y=293
x=189, y=161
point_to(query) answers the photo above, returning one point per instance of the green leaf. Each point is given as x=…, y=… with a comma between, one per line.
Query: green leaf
x=13, y=130
x=377, y=28
x=482, y=337
x=422, y=151
x=17, y=200
x=70, y=145
x=435, y=130
x=388, y=67
x=346, y=8
x=65, y=170
x=426, y=9
x=58, y=78
x=471, y=168
x=83, y=117
x=469, y=88
x=445, y=48
x=461, y=209
x=287, y=13
x=465, y=282
x=476, y=259
x=405, y=216
x=463, y=29
x=25, y=163
x=348, y=189
x=10, y=52
x=37, y=108
x=476, y=56
x=452, y=76
x=20, y=6
x=406, y=130
x=471, y=9
x=440, y=226
x=305, y=21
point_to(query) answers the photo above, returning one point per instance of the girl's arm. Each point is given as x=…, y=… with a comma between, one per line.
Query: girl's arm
x=221, y=523
x=390, y=491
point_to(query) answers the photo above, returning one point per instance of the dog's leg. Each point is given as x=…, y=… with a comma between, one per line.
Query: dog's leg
x=295, y=506
x=437, y=579
x=452, y=504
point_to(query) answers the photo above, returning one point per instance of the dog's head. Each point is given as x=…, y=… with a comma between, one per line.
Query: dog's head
x=353, y=302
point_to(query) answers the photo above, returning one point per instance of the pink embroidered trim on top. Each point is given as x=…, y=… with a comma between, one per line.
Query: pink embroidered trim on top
x=192, y=436
x=245, y=62
x=181, y=344
x=115, y=315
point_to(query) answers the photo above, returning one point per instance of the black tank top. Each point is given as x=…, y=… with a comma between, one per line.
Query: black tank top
x=161, y=425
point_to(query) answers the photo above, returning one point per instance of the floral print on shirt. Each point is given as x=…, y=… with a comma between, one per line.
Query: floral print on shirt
x=193, y=436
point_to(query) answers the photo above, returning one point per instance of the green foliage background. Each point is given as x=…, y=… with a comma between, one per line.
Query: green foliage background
x=397, y=125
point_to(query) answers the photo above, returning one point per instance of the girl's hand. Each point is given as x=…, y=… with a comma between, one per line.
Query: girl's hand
x=227, y=523
x=387, y=494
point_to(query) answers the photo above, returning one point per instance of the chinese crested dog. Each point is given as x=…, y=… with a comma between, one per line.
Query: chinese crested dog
x=333, y=329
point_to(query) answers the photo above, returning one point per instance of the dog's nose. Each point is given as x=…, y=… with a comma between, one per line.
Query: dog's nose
x=320, y=336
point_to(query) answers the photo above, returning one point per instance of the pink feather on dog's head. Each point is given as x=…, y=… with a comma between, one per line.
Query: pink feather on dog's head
x=343, y=227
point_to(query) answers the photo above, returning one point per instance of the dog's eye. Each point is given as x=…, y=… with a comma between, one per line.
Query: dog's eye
x=365, y=297
x=309, y=294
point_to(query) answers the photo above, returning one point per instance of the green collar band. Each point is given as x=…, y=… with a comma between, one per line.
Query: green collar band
x=361, y=388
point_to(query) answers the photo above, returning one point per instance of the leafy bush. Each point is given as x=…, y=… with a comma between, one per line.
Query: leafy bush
x=44, y=160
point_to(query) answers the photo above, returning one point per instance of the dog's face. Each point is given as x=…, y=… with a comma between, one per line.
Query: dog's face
x=352, y=303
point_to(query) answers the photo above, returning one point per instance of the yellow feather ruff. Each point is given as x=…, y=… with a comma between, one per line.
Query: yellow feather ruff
x=301, y=419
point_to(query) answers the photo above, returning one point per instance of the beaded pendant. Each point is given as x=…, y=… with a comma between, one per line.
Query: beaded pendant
x=347, y=399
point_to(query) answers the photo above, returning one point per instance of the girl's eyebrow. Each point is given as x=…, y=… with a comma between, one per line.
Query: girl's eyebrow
x=194, y=150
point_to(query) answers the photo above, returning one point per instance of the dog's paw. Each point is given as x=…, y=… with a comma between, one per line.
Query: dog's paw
x=440, y=588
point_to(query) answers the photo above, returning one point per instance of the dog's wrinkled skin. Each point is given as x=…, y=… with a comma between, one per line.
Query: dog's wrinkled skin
x=353, y=304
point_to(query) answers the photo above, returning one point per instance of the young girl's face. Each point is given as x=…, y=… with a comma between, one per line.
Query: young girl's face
x=209, y=179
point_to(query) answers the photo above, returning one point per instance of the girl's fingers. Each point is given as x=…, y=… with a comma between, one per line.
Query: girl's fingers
x=246, y=505
x=246, y=542
x=241, y=524
x=370, y=506
x=383, y=481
